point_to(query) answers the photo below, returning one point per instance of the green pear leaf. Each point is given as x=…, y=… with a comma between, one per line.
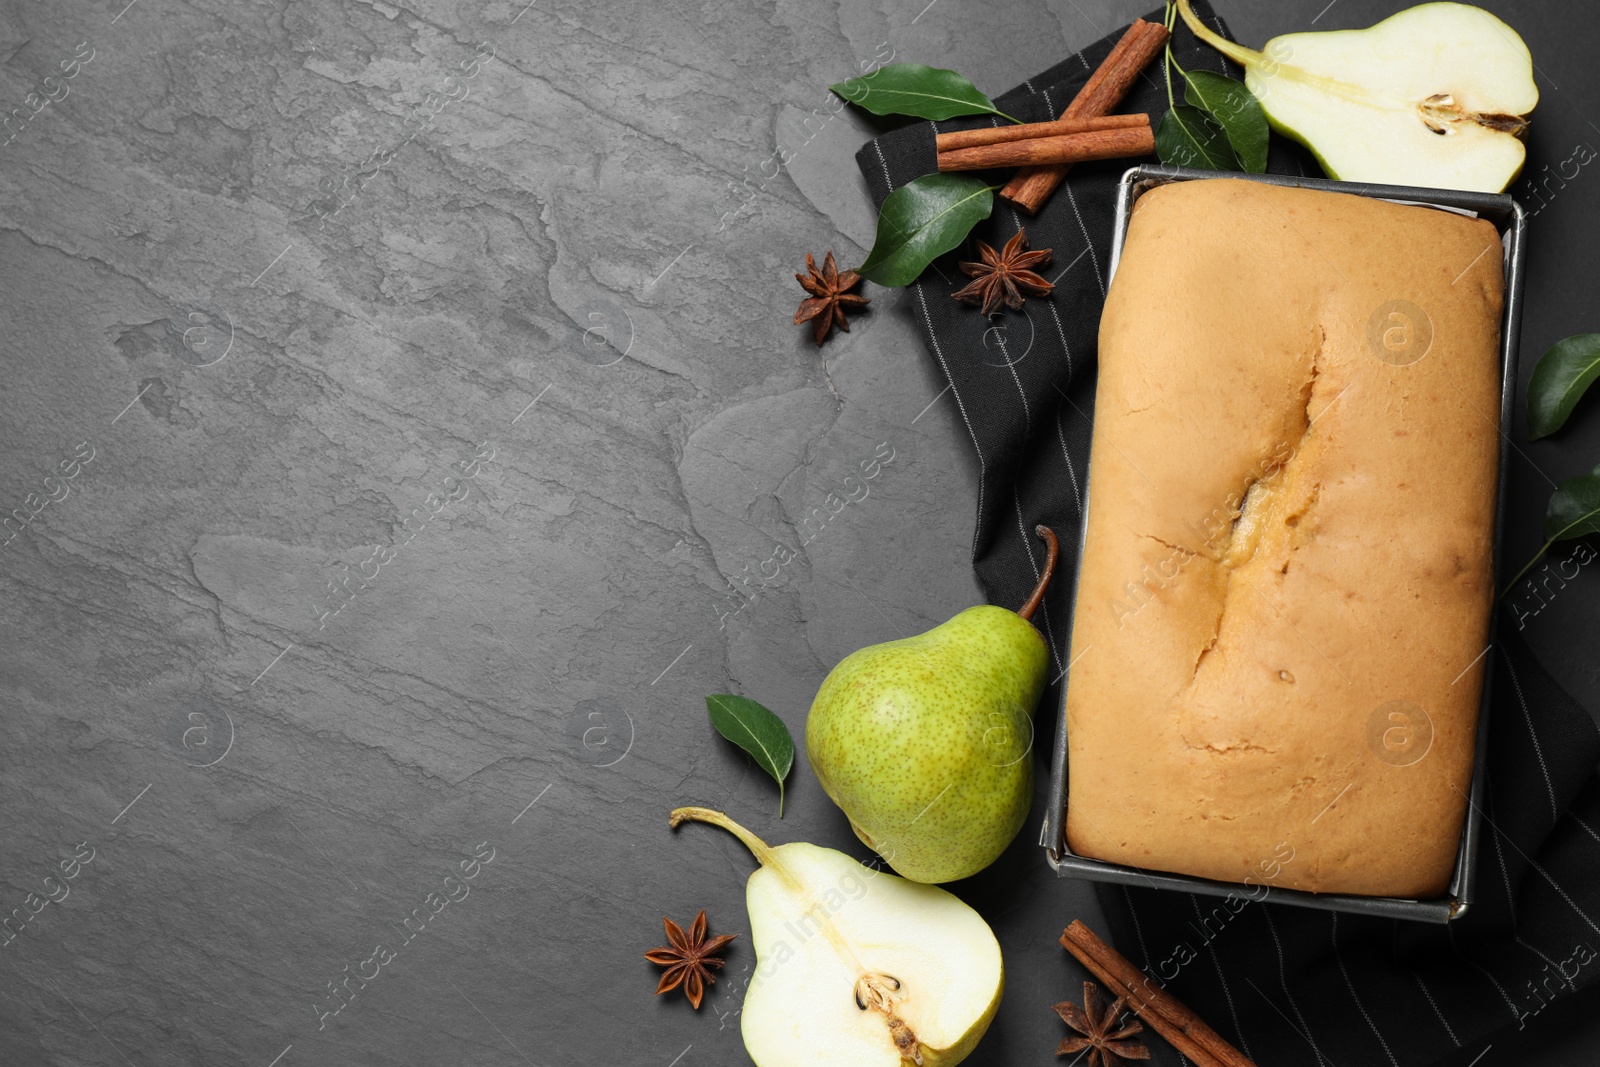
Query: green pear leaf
x=1188, y=137
x=756, y=730
x=1559, y=381
x=1236, y=110
x=1574, y=511
x=913, y=89
x=921, y=221
x=1574, y=508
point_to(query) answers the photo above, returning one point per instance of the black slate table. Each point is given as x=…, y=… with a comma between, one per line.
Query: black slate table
x=403, y=402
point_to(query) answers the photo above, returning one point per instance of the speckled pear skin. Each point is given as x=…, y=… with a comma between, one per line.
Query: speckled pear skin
x=925, y=742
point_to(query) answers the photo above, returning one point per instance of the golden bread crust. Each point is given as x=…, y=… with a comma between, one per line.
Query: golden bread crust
x=1287, y=572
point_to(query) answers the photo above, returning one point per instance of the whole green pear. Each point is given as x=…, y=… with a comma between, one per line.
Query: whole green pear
x=925, y=742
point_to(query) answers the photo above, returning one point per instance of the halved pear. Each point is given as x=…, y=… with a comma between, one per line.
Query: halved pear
x=857, y=967
x=1437, y=95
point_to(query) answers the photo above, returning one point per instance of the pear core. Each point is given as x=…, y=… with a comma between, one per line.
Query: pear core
x=856, y=966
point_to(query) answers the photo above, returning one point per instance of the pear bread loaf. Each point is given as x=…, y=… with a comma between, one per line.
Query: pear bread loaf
x=1277, y=650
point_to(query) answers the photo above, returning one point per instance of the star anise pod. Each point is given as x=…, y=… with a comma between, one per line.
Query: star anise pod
x=1003, y=277
x=1098, y=1025
x=830, y=295
x=689, y=958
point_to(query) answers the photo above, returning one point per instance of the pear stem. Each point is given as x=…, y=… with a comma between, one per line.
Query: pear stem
x=768, y=858
x=758, y=848
x=1246, y=57
x=1052, y=553
x=870, y=991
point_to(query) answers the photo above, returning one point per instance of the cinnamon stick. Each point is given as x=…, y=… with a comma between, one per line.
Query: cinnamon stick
x=949, y=142
x=1167, y=1016
x=1104, y=90
x=1071, y=148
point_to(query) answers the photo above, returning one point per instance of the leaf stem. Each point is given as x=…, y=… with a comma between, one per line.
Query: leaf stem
x=1166, y=68
x=1537, y=556
x=1563, y=534
x=1012, y=118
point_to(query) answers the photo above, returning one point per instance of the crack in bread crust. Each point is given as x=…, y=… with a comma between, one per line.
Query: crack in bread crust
x=1260, y=502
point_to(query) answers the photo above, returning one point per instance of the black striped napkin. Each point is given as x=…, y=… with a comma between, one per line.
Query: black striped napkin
x=1288, y=986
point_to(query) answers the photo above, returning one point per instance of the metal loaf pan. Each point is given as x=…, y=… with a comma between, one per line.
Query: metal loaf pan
x=1507, y=216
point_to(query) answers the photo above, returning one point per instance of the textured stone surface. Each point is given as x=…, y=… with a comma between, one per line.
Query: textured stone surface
x=572, y=283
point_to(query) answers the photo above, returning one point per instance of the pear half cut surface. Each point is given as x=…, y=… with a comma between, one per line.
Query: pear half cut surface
x=857, y=967
x=1436, y=95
